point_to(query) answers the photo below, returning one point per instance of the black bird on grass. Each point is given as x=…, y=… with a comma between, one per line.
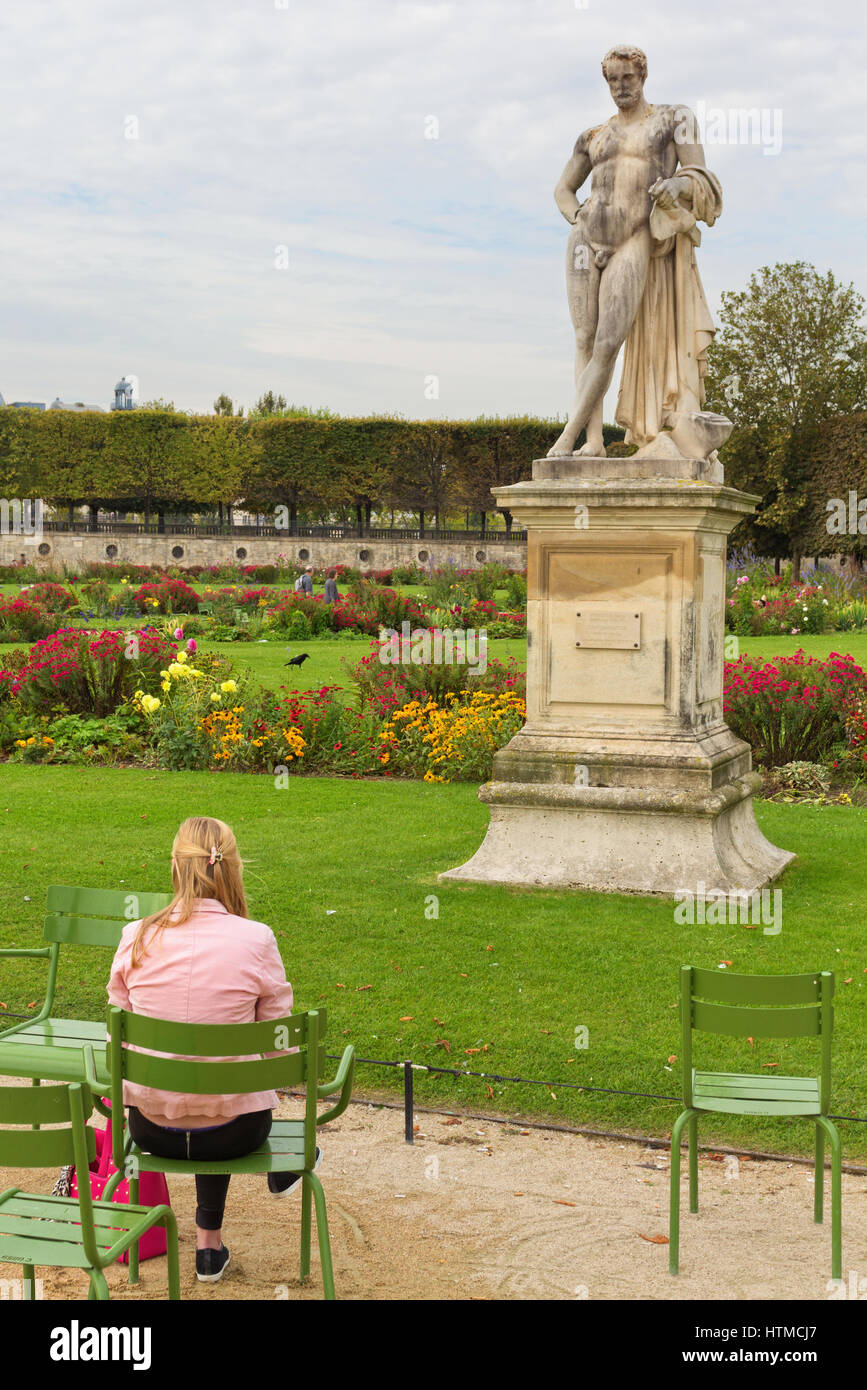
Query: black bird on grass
x=298, y=660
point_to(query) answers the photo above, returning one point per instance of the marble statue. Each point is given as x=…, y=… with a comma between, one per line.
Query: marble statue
x=631, y=272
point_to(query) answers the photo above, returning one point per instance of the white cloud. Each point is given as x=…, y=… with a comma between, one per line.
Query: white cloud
x=260, y=127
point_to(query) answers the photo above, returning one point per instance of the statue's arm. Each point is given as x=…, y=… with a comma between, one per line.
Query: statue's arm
x=667, y=193
x=570, y=181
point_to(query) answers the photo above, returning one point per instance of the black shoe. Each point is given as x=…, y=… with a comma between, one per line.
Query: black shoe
x=211, y=1265
x=281, y=1184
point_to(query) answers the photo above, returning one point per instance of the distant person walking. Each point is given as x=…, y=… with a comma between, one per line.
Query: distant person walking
x=331, y=592
x=305, y=582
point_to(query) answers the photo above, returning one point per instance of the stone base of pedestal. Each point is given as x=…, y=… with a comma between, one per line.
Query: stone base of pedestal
x=625, y=778
x=623, y=839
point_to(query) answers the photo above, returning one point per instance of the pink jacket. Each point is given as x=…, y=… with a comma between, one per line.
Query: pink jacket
x=215, y=968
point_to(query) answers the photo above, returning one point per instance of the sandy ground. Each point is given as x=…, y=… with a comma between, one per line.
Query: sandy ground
x=480, y=1210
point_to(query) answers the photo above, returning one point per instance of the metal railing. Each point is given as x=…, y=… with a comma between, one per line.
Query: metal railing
x=332, y=533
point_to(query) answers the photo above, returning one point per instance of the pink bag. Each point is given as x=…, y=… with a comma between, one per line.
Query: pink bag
x=153, y=1191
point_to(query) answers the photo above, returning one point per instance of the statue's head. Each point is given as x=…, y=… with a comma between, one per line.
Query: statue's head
x=625, y=71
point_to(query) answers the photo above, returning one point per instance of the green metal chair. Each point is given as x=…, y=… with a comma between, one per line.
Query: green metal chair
x=758, y=1006
x=50, y=1048
x=66, y=1232
x=203, y=1070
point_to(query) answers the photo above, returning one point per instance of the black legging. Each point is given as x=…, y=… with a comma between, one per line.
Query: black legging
x=232, y=1140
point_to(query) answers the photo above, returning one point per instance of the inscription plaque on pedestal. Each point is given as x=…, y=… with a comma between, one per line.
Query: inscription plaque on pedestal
x=603, y=627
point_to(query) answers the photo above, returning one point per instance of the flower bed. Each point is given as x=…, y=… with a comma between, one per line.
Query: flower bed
x=796, y=708
x=86, y=672
x=166, y=596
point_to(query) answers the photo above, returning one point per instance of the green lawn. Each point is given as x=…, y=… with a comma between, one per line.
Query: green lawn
x=342, y=870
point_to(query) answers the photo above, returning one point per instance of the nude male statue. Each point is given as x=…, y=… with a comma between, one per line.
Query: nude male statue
x=639, y=209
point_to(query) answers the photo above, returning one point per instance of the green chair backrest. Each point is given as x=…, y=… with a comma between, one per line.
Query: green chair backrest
x=202, y=1069
x=758, y=1006
x=69, y=1106
x=96, y=916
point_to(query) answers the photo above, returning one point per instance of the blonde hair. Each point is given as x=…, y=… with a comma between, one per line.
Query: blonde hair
x=205, y=864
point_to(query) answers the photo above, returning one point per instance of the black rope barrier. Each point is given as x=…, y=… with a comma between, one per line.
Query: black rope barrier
x=408, y=1090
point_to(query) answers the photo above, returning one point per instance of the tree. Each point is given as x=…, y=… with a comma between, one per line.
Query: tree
x=791, y=353
x=224, y=405
x=269, y=404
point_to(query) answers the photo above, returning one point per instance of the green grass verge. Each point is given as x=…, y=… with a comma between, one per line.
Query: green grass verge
x=343, y=871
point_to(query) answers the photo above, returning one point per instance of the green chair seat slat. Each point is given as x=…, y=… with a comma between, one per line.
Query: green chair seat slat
x=59, y=1032
x=199, y=1039
x=755, y=1093
x=55, y=1228
x=756, y=989
x=736, y=1022
x=734, y=1076
x=20, y=1250
x=50, y=1063
x=772, y=1090
x=38, y=1207
x=104, y=902
x=283, y=1154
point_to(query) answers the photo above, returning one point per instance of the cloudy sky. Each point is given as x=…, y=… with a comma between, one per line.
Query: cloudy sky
x=235, y=196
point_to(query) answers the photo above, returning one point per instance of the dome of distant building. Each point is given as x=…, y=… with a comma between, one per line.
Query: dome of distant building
x=126, y=395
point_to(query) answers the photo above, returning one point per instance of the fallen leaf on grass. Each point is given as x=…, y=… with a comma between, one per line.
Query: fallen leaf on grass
x=464, y=975
x=849, y=981
x=340, y=986
x=360, y=988
x=489, y=948
x=672, y=1058
x=33, y=1005
x=472, y=1049
x=654, y=1240
x=489, y=1092
x=770, y=1064
x=407, y=1018
x=443, y=1042
x=440, y=1022
x=751, y=1042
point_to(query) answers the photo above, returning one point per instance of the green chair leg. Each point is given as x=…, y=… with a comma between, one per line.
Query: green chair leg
x=29, y=1290
x=674, y=1201
x=306, y=1205
x=133, y=1249
x=836, y=1198
x=174, y=1270
x=819, y=1175
x=323, y=1237
x=98, y=1287
x=693, y=1163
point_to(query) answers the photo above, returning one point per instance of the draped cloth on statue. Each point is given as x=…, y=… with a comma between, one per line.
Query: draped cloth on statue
x=665, y=355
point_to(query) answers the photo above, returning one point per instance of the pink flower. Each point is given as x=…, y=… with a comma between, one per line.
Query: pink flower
x=191, y=645
x=178, y=634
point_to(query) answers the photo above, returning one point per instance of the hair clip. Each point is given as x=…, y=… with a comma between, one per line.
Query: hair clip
x=216, y=854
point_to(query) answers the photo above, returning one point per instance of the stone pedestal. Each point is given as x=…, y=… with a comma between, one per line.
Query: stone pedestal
x=625, y=776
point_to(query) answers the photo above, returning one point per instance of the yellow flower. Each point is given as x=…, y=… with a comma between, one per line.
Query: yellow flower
x=216, y=697
x=181, y=657
x=229, y=687
x=150, y=704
